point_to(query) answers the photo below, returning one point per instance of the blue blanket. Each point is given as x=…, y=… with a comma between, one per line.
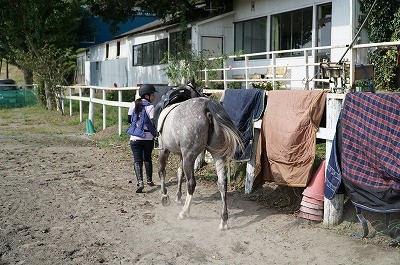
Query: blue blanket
x=244, y=106
x=333, y=177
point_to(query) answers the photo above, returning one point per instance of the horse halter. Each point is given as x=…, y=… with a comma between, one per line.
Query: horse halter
x=193, y=87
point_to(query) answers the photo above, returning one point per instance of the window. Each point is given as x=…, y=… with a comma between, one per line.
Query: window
x=81, y=65
x=107, y=50
x=180, y=41
x=118, y=48
x=150, y=53
x=147, y=49
x=160, y=48
x=137, y=55
x=324, y=18
x=250, y=36
x=292, y=30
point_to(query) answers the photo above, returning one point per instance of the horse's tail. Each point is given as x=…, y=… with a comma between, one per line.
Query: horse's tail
x=232, y=139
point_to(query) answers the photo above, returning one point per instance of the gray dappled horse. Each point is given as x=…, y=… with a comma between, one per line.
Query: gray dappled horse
x=195, y=125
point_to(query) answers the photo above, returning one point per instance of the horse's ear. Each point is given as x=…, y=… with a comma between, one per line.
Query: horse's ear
x=192, y=81
x=183, y=81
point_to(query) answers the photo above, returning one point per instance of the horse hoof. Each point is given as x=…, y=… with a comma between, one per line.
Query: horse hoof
x=165, y=201
x=182, y=216
x=223, y=225
x=179, y=202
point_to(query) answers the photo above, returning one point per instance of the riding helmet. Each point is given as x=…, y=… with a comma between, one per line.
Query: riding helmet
x=146, y=89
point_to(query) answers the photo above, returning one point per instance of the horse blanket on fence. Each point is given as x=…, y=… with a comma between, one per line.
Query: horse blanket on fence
x=287, y=144
x=244, y=106
x=369, y=152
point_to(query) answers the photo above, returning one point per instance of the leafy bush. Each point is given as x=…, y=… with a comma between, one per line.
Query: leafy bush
x=266, y=85
x=378, y=31
x=235, y=85
x=127, y=95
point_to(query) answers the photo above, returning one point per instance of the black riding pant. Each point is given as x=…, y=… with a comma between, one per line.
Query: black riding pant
x=141, y=150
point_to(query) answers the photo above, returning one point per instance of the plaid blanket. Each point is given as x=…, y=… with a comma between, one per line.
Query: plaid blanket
x=370, y=151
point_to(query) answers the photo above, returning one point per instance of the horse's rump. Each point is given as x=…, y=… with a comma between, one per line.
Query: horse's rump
x=202, y=123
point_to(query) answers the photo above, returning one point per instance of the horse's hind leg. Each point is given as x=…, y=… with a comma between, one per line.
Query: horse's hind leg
x=164, y=153
x=222, y=186
x=180, y=178
x=188, y=169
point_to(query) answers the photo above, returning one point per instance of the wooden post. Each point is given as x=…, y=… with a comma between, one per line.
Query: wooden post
x=251, y=164
x=91, y=104
x=119, y=113
x=70, y=101
x=80, y=105
x=333, y=209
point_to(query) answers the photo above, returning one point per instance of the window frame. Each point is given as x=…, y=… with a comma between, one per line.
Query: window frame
x=247, y=40
x=290, y=39
x=118, y=48
x=144, y=54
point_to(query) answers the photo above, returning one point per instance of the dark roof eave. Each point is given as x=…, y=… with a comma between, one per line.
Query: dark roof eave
x=149, y=27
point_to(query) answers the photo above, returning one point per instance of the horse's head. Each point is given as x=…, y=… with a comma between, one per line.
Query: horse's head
x=195, y=90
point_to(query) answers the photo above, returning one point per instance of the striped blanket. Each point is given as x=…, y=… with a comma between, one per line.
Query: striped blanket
x=370, y=150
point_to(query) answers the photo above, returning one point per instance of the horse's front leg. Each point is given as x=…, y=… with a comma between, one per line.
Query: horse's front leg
x=180, y=178
x=188, y=169
x=164, y=153
x=222, y=186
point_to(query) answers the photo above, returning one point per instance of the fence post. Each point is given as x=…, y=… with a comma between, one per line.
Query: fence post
x=80, y=105
x=306, y=70
x=273, y=70
x=224, y=73
x=70, y=101
x=91, y=104
x=119, y=113
x=104, y=111
x=333, y=209
x=246, y=65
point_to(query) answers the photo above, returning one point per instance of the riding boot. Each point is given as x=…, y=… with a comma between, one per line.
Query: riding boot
x=149, y=173
x=139, y=176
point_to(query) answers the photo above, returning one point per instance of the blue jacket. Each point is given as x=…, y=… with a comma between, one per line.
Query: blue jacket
x=137, y=127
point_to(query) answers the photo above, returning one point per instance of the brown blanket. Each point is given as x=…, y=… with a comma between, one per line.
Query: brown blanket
x=287, y=144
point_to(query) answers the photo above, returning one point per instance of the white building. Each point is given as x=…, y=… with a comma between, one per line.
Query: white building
x=253, y=26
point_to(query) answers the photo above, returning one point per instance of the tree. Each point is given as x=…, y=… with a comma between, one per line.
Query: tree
x=38, y=35
x=383, y=26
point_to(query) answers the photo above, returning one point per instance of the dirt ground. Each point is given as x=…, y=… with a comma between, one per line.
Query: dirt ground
x=65, y=199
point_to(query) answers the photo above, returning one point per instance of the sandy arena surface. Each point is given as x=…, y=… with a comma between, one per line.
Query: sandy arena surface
x=66, y=199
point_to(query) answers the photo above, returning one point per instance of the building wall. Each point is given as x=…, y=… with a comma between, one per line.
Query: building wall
x=106, y=73
x=144, y=74
x=222, y=27
x=343, y=29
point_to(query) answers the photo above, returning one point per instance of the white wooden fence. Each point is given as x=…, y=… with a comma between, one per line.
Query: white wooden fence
x=95, y=92
x=92, y=99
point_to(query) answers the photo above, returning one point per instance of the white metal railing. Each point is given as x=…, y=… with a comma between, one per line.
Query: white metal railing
x=248, y=64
